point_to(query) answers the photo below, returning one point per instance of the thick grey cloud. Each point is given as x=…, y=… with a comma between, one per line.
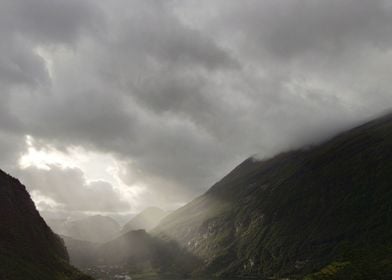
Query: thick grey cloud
x=25, y=26
x=182, y=91
x=48, y=21
x=289, y=29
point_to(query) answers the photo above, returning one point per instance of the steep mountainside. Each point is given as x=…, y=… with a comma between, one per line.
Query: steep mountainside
x=28, y=248
x=95, y=228
x=147, y=219
x=325, y=206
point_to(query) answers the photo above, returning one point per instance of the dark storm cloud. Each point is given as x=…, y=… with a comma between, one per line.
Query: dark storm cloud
x=181, y=91
x=24, y=27
x=288, y=29
x=20, y=66
x=48, y=21
x=27, y=25
x=111, y=111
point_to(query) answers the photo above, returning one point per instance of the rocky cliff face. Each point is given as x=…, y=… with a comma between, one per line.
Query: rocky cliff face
x=28, y=247
x=298, y=211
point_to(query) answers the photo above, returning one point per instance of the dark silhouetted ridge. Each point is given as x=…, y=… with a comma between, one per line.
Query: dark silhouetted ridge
x=28, y=247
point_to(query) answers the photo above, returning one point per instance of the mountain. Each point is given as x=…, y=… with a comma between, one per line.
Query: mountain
x=147, y=219
x=95, y=228
x=28, y=247
x=323, y=211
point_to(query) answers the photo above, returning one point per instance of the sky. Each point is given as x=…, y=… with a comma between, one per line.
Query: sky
x=113, y=106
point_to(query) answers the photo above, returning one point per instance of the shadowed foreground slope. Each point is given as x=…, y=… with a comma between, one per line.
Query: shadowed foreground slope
x=28, y=247
x=326, y=208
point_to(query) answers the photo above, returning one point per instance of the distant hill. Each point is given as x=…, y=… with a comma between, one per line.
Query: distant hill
x=324, y=211
x=28, y=247
x=147, y=219
x=95, y=228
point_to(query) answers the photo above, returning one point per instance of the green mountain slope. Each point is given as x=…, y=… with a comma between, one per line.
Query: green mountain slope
x=28, y=248
x=298, y=212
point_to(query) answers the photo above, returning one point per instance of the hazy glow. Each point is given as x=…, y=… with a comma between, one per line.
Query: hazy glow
x=43, y=202
x=44, y=157
x=95, y=167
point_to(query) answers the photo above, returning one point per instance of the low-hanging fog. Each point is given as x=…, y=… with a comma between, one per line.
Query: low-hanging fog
x=109, y=107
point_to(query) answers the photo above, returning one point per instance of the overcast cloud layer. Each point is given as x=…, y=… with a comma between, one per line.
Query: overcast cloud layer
x=179, y=92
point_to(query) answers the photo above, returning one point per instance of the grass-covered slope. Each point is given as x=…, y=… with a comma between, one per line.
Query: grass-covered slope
x=28, y=248
x=298, y=212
